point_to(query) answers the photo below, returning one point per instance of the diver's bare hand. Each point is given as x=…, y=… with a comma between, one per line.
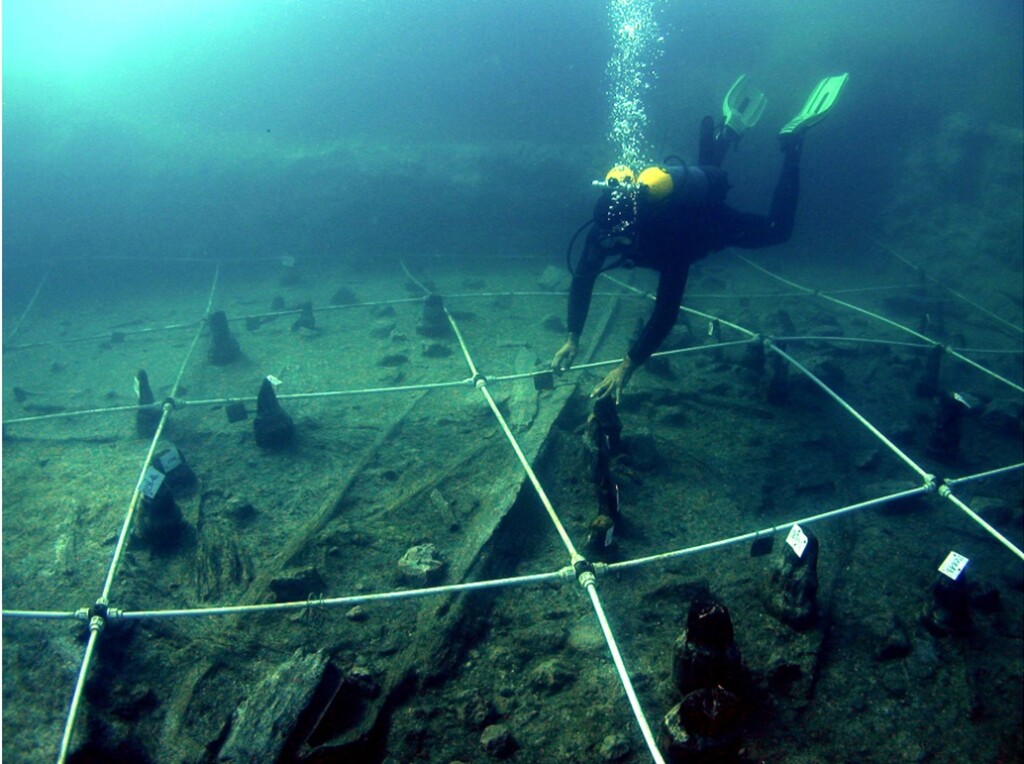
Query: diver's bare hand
x=566, y=355
x=616, y=380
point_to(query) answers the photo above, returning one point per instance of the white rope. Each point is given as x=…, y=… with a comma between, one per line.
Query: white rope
x=676, y=554
x=984, y=475
x=586, y=578
x=76, y=696
x=836, y=300
x=857, y=340
x=81, y=412
x=684, y=308
x=884, y=320
x=946, y=493
x=574, y=556
x=852, y=411
x=888, y=443
x=620, y=667
x=43, y=615
x=31, y=303
x=949, y=289
x=985, y=370
x=562, y=574
x=96, y=623
x=358, y=599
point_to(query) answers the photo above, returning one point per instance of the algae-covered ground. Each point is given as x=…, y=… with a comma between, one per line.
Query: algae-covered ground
x=522, y=673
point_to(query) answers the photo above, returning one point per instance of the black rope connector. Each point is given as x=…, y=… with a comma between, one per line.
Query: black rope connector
x=479, y=380
x=98, y=616
x=169, y=401
x=99, y=610
x=582, y=567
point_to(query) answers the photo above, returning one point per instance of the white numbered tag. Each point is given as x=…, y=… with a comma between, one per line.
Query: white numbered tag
x=135, y=387
x=609, y=537
x=287, y=261
x=273, y=380
x=797, y=540
x=151, y=482
x=953, y=565
x=170, y=460
x=711, y=328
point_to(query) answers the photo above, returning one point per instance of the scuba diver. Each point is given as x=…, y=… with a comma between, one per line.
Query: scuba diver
x=669, y=216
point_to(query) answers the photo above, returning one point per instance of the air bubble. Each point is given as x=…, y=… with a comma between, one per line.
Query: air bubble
x=636, y=45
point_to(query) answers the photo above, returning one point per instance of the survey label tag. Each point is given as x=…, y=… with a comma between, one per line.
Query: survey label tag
x=151, y=482
x=609, y=537
x=953, y=565
x=170, y=460
x=797, y=540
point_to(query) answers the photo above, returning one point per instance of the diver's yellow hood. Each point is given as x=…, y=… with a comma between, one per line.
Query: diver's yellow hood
x=658, y=182
x=620, y=173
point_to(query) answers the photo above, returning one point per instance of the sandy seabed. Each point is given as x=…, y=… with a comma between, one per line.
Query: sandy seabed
x=523, y=673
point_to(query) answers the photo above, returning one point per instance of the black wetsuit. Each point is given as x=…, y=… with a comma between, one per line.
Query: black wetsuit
x=673, y=233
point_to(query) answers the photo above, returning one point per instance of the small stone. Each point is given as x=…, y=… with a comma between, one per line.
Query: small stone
x=497, y=741
x=827, y=370
x=783, y=675
x=298, y=586
x=867, y=460
x=672, y=416
x=551, y=675
x=357, y=614
x=1004, y=415
x=393, y=359
x=995, y=511
x=344, y=296
x=139, y=700
x=703, y=727
x=243, y=512
x=421, y=565
x=475, y=711
x=436, y=350
x=827, y=328
x=553, y=322
x=614, y=748
x=552, y=279
x=382, y=329
x=985, y=597
x=361, y=682
x=640, y=451
x=893, y=638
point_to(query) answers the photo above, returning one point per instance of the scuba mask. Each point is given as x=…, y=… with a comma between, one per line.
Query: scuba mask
x=616, y=215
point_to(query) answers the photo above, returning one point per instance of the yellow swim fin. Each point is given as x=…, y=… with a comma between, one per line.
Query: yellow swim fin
x=743, y=106
x=821, y=100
